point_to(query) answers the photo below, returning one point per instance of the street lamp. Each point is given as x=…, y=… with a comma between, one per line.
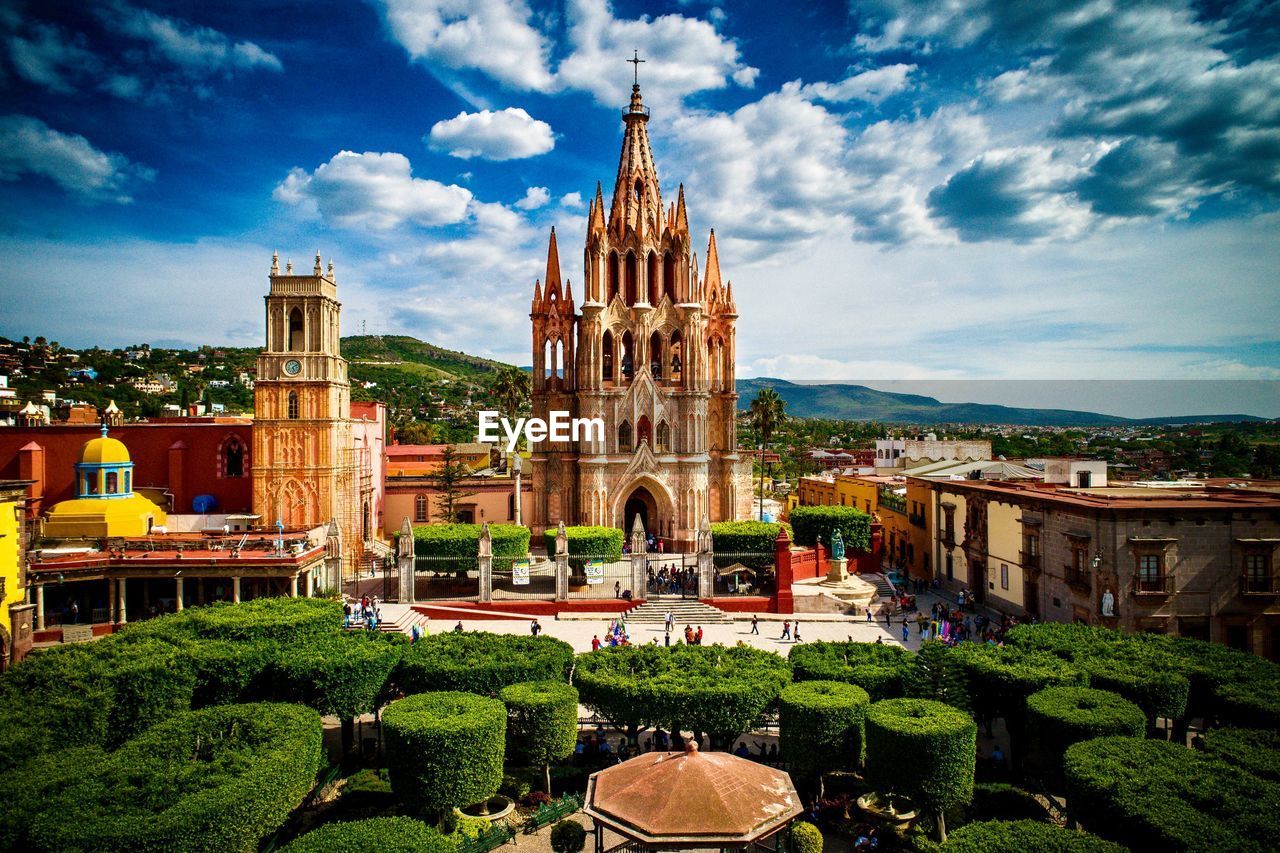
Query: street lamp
x=515, y=468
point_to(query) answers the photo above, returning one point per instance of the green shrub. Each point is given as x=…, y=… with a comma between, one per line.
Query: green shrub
x=29, y=787
x=215, y=779
x=587, y=543
x=1255, y=751
x=230, y=671
x=462, y=543
x=542, y=722
x=822, y=726
x=880, y=669
x=939, y=675
x=1252, y=700
x=483, y=663
x=1158, y=795
x=1002, y=801
x=811, y=522
x=1157, y=690
x=923, y=750
x=444, y=750
x=281, y=619
x=373, y=835
x=750, y=543
x=805, y=838
x=1021, y=836
x=1060, y=716
x=701, y=688
x=342, y=675
x=568, y=836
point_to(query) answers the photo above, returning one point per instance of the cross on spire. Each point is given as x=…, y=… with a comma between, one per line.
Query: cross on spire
x=635, y=61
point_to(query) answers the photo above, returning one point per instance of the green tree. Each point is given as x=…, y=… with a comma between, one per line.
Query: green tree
x=768, y=413
x=542, y=722
x=449, y=481
x=510, y=390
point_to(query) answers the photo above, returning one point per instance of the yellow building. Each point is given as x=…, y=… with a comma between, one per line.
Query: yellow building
x=15, y=613
x=105, y=504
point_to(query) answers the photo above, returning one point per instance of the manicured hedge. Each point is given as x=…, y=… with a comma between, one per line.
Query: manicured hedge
x=1002, y=801
x=1060, y=716
x=29, y=787
x=805, y=838
x=444, y=750
x=281, y=619
x=1021, y=836
x=939, y=674
x=923, y=750
x=701, y=688
x=754, y=539
x=231, y=671
x=568, y=836
x=1256, y=751
x=595, y=543
x=822, y=726
x=373, y=835
x=1157, y=690
x=880, y=669
x=542, y=722
x=1159, y=795
x=810, y=522
x=483, y=663
x=462, y=543
x=216, y=779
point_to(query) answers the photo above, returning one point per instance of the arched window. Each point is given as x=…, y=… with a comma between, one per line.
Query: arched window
x=548, y=363
x=233, y=458
x=420, y=508
x=624, y=438
x=612, y=273
x=632, y=273
x=677, y=356
x=628, y=356
x=295, y=330
x=128, y=482
x=645, y=432
x=669, y=276
x=664, y=437
x=651, y=262
x=559, y=359
x=113, y=483
x=293, y=405
x=606, y=369
x=655, y=355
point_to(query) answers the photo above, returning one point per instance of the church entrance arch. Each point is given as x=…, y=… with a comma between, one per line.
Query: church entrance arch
x=650, y=502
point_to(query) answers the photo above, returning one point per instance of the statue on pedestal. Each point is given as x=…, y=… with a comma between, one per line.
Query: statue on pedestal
x=837, y=545
x=1108, y=603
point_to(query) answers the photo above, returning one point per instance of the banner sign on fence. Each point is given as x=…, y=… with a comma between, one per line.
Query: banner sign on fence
x=520, y=573
x=595, y=571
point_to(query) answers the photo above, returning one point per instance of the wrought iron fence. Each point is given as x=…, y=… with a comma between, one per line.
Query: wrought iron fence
x=446, y=578
x=599, y=576
x=532, y=578
x=743, y=573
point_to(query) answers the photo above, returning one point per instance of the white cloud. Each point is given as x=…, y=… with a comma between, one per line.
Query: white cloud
x=199, y=50
x=49, y=57
x=494, y=37
x=534, y=198
x=373, y=191
x=28, y=146
x=572, y=201
x=872, y=86
x=508, y=134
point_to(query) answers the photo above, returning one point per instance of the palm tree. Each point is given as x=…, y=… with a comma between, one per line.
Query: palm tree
x=768, y=411
x=511, y=390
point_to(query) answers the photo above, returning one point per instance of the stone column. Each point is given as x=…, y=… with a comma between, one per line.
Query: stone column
x=639, y=561
x=40, y=607
x=562, y=564
x=486, y=564
x=306, y=585
x=293, y=585
x=235, y=590
x=405, y=563
x=706, y=562
x=177, y=583
x=122, y=607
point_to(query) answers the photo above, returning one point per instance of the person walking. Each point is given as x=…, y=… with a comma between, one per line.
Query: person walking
x=666, y=638
x=868, y=614
x=905, y=631
x=796, y=631
x=755, y=625
x=697, y=638
x=671, y=622
x=786, y=630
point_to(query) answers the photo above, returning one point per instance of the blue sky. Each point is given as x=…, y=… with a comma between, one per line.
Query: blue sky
x=967, y=189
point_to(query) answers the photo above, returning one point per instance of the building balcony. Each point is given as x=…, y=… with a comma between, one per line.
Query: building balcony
x=1079, y=581
x=1029, y=561
x=1162, y=585
x=1259, y=585
x=916, y=519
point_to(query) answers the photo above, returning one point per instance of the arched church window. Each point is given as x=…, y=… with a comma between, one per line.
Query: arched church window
x=612, y=273
x=628, y=352
x=233, y=458
x=651, y=263
x=420, y=508
x=549, y=364
x=655, y=355
x=606, y=368
x=293, y=405
x=669, y=275
x=639, y=189
x=632, y=273
x=663, y=443
x=624, y=438
x=296, y=343
x=645, y=431
x=113, y=483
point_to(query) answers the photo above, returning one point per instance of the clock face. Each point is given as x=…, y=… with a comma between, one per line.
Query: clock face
x=293, y=367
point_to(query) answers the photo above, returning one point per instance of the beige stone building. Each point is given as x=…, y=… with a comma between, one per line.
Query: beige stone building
x=651, y=353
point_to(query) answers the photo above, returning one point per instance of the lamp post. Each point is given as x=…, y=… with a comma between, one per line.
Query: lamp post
x=515, y=467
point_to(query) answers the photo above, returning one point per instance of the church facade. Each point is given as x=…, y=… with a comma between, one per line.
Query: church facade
x=650, y=351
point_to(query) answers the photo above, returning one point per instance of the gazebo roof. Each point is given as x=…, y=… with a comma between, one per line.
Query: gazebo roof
x=692, y=798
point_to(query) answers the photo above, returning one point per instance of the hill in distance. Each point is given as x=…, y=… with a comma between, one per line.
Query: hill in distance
x=405, y=353
x=860, y=403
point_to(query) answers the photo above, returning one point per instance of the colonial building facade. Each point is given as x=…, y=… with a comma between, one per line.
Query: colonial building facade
x=650, y=353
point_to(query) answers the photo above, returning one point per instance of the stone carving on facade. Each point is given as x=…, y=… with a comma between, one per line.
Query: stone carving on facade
x=1108, y=603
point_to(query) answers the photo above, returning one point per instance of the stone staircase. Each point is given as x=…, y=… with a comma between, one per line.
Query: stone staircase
x=400, y=619
x=883, y=586
x=683, y=611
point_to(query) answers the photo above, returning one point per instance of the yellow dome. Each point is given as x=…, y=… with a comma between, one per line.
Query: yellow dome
x=104, y=451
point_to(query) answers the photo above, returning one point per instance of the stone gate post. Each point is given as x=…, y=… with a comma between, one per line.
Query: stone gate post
x=562, y=563
x=486, y=564
x=706, y=561
x=405, y=563
x=639, y=561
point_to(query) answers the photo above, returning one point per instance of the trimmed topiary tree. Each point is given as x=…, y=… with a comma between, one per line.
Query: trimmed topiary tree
x=1256, y=751
x=542, y=722
x=587, y=543
x=1021, y=836
x=822, y=727
x=444, y=750
x=810, y=522
x=373, y=835
x=1060, y=716
x=456, y=547
x=804, y=837
x=568, y=836
x=938, y=674
x=482, y=663
x=880, y=669
x=923, y=750
x=1158, y=795
x=284, y=620
x=712, y=689
x=217, y=779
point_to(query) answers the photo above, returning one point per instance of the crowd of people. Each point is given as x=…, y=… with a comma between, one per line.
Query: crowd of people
x=363, y=613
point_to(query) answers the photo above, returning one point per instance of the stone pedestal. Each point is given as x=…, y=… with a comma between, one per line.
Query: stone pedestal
x=405, y=564
x=837, y=570
x=562, y=577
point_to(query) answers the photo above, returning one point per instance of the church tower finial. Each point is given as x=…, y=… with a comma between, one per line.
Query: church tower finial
x=275, y=263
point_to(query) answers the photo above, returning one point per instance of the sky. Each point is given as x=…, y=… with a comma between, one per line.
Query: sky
x=949, y=190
